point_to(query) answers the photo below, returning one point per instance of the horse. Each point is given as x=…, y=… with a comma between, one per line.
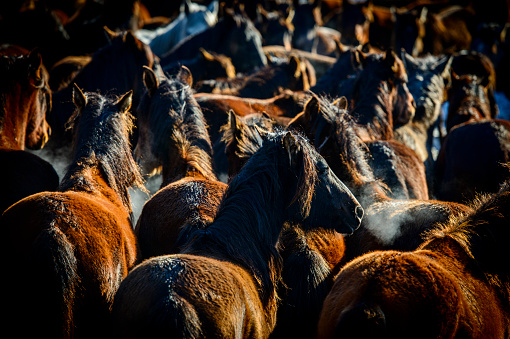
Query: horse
x=235, y=258
x=206, y=66
x=115, y=68
x=216, y=107
x=454, y=285
x=25, y=98
x=267, y=82
x=77, y=240
x=173, y=136
x=428, y=80
x=471, y=94
x=233, y=35
x=375, y=86
x=275, y=27
x=310, y=258
x=387, y=223
x=192, y=19
x=473, y=160
x=309, y=34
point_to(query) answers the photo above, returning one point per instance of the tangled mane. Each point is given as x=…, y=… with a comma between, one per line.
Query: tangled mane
x=176, y=121
x=102, y=141
x=252, y=208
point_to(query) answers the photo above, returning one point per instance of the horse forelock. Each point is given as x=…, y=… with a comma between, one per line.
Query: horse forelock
x=102, y=140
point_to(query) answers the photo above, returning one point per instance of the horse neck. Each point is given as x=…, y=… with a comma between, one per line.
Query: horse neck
x=191, y=155
x=88, y=177
x=246, y=230
x=13, y=123
x=373, y=110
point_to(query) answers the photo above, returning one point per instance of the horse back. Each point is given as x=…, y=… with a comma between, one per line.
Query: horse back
x=79, y=248
x=165, y=292
x=176, y=209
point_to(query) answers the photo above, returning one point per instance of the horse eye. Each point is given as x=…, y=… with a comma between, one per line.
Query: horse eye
x=322, y=167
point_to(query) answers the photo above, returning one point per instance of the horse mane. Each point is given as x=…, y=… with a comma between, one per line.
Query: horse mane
x=183, y=125
x=248, y=217
x=364, y=100
x=102, y=141
x=349, y=144
x=246, y=135
x=482, y=234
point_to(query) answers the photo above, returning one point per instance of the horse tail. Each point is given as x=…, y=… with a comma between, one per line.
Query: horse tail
x=55, y=269
x=364, y=320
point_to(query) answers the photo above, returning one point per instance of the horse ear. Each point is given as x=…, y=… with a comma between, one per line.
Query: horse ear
x=358, y=58
x=292, y=147
x=294, y=66
x=36, y=64
x=150, y=80
x=185, y=76
x=79, y=99
x=391, y=59
x=131, y=40
x=206, y=55
x=233, y=122
x=110, y=35
x=445, y=69
x=312, y=108
x=341, y=103
x=124, y=103
x=213, y=7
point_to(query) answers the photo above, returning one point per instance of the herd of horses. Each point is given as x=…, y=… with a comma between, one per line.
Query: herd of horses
x=328, y=169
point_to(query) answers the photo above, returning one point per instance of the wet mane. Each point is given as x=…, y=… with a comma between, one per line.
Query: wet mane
x=242, y=230
x=102, y=142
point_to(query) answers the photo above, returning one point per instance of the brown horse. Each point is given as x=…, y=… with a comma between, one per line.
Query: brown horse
x=388, y=223
x=428, y=79
x=456, y=285
x=473, y=159
x=267, y=82
x=235, y=258
x=173, y=136
x=77, y=241
x=25, y=98
x=471, y=94
x=310, y=258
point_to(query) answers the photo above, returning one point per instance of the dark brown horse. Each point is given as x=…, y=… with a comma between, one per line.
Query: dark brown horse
x=456, y=285
x=115, y=68
x=310, y=258
x=471, y=94
x=388, y=223
x=173, y=136
x=473, y=159
x=235, y=258
x=78, y=241
x=233, y=35
x=267, y=82
x=24, y=100
x=428, y=79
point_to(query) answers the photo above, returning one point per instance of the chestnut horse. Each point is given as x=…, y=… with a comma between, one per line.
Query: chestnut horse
x=388, y=223
x=25, y=98
x=310, y=258
x=77, y=241
x=173, y=136
x=455, y=285
x=223, y=283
